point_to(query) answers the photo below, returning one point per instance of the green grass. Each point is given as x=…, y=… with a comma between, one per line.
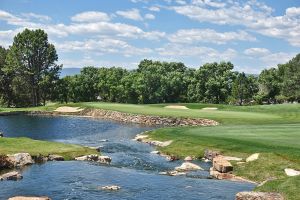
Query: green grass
x=272, y=130
x=226, y=114
x=36, y=147
x=287, y=186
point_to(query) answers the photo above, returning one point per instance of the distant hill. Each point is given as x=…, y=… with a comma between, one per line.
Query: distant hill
x=69, y=71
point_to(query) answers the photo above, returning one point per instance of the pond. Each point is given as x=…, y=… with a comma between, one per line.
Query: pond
x=133, y=167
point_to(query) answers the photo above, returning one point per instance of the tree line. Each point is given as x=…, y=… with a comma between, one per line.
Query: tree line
x=29, y=76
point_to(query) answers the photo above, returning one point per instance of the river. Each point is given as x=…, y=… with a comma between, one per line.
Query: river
x=133, y=167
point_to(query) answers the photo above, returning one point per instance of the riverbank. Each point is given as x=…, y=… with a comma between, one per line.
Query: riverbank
x=37, y=147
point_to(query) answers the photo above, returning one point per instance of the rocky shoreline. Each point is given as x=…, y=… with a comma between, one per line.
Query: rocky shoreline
x=130, y=118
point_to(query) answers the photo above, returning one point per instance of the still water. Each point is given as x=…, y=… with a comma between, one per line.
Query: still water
x=133, y=167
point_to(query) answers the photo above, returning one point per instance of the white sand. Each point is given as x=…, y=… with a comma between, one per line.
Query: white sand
x=67, y=109
x=209, y=108
x=176, y=107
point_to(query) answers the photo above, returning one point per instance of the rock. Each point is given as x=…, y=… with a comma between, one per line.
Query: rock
x=159, y=143
x=55, y=158
x=187, y=166
x=5, y=162
x=188, y=158
x=13, y=176
x=111, y=187
x=155, y=152
x=29, y=198
x=253, y=157
x=175, y=173
x=95, y=158
x=206, y=160
x=140, y=137
x=218, y=175
x=40, y=158
x=230, y=158
x=20, y=159
x=292, y=172
x=170, y=158
x=1, y=135
x=227, y=176
x=210, y=154
x=258, y=196
x=222, y=165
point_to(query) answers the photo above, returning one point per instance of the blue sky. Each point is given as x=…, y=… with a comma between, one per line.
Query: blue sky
x=252, y=34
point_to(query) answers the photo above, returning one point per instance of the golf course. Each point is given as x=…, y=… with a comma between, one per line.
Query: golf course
x=273, y=131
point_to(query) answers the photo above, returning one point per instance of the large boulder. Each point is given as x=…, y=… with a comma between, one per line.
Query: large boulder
x=1, y=135
x=55, y=158
x=258, y=196
x=29, y=198
x=12, y=176
x=210, y=154
x=188, y=166
x=19, y=159
x=5, y=162
x=95, y=158
x=222, y=165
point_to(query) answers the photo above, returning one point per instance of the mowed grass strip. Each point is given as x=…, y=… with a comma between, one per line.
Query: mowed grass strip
x=37, y=147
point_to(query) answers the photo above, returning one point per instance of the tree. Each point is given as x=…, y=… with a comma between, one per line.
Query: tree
x=33, y=58
x=289, y=74
x=7, y=75
x=269, y=85
x=243, y=88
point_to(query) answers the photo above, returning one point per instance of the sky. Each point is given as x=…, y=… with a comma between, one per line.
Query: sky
x=252, y=34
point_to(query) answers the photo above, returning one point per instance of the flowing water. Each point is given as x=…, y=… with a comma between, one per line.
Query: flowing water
x=133, y=167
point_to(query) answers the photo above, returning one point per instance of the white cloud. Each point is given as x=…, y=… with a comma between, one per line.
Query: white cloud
x=293, y=11
x=89, y=28
x=256, y=52
x=42, y=18
x=216, y=4
x=181, y=2
x=90, y=16
x=205, y=54
x=251, y=14
x=149, y=16
x=133, y=14
x=102, y=46
x=190, y=36
x=154, y=9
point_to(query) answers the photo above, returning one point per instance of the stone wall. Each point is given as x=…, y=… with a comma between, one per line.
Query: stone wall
x=135, y=118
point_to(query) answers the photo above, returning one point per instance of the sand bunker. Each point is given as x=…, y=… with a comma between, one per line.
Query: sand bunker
x=67, y=109
x=176, y=107
x=209, y=108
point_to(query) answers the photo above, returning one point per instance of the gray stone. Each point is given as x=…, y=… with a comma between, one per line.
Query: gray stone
x=29, y=198
x=12, y=176
x=210, y=154
x=95, y=158
x=111, y=187
x=222, y=165
x=55, y=158
x=20, y=159
x=258, y=196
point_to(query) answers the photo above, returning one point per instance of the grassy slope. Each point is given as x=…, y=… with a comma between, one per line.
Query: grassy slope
x=273, y=130
x=36, y=147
